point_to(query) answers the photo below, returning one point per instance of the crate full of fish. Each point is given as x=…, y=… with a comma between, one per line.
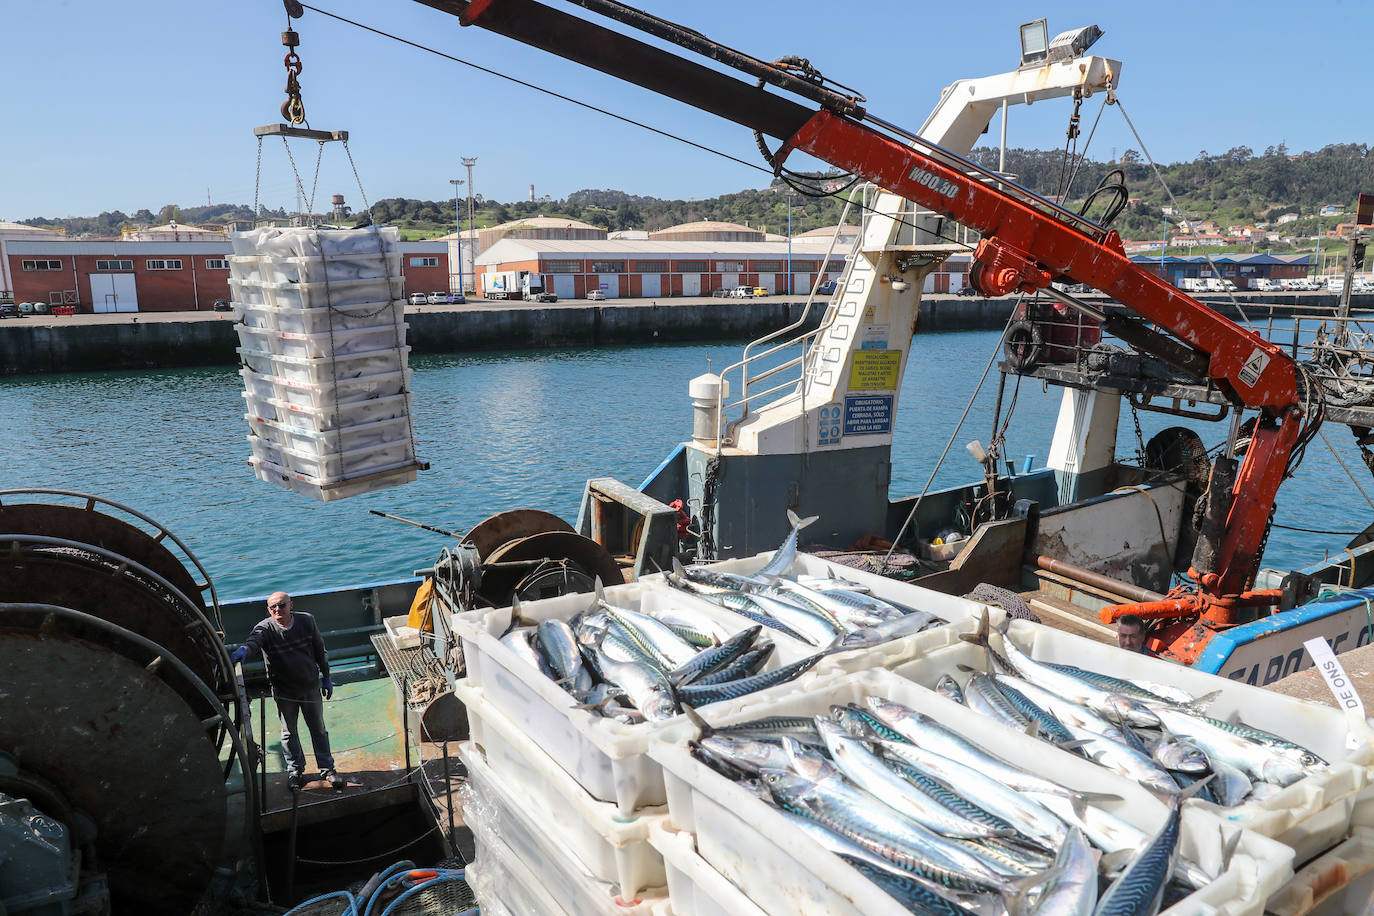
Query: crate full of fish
x=863, y=609
x=276, y=243
x=1278, y=766
x=610, y=848
x=875, y=796
x=519, y=866
x=590, y=678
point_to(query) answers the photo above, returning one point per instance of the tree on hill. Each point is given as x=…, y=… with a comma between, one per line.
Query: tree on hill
x=1234, y=187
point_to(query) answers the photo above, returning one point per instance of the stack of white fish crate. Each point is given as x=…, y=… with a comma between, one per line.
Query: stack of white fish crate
x=325, y=363
x=558, y=794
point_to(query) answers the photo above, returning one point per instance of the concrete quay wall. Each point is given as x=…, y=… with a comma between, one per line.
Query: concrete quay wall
x=88, y=343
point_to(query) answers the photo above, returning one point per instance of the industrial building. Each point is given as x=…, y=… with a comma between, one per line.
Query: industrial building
x=1241, y=269
x=165, y=275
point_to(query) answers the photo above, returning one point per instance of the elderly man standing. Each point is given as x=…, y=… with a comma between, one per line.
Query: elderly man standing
x=296, y=662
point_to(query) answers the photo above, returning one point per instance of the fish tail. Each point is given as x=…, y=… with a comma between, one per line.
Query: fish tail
x=705, y=727
x=799, y=523
x=980, y=638
x=515, y=620
x=1199, y=706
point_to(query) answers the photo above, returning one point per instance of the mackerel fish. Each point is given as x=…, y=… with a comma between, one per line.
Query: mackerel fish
x=852, y=814
x=786, y=554
x=868, y=773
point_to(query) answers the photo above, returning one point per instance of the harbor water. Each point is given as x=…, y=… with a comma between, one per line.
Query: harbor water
x=511, y=430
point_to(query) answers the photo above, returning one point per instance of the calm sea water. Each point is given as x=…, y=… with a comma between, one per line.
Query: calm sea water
x=504, y=431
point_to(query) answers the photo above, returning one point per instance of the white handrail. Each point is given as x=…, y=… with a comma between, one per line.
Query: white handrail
x=748, y=398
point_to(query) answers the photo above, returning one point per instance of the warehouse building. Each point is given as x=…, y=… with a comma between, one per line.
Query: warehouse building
x=109, y=275
x=622, y=268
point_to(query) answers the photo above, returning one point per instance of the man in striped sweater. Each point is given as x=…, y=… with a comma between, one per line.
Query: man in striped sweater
x=296, y=662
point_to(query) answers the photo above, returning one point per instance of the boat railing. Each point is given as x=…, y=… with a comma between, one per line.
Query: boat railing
x=765, y=361
x=1334, y=346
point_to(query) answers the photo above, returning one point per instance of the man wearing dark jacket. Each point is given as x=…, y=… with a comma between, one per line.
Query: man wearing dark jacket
x=296, y=662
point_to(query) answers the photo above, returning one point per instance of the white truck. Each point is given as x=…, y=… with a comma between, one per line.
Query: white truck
x=516, y=284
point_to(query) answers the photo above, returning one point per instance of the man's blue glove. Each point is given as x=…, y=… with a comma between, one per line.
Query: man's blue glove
x=238, y=655
x=327, y=688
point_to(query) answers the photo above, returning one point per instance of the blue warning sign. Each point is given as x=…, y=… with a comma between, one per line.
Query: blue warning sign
x=867, y=414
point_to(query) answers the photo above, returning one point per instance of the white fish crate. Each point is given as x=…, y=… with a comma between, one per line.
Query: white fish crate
x=330, y=268
x=354, y=295
x=323, y=446
x=611, y=848
x=884, y=655
x=344, y=392
x=1338, y=883
x=260, y=316
x=325, y=491
x=546, y=874
x=946, y=607
x=784, y=871
x=1309, y=816
x=247, y=295
x=343, y=343
x=329, y=417
x=258, y=385
x=321, y=320
x=266, y=450
x=314, y=243
x=694, y=887
x=260, y=408
x=245, y=269
x=331, y=344
x=604, y=756
x=322, y=372
x=322, y=467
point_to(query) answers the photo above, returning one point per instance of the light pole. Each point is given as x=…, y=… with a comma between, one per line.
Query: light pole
x=789, y=243
x=458, y=229
x=1163, y=246
x=468, y=163
x=1318, y=259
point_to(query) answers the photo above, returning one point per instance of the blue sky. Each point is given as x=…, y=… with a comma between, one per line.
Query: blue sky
x=139, y=104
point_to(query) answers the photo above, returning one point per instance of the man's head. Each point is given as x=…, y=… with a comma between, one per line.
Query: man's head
x=1130, y=633
x=279, y=606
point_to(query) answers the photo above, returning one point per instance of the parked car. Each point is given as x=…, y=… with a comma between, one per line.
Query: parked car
x=437, y=298
x=967, y=291
x=9, y=310
x=826, y=288
x=742, y=292
x=418, y=299
x=759, y=291
x=595, y=295
x=458, y=299
x=222, y=305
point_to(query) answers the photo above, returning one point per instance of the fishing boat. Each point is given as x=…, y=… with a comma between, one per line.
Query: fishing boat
x=808, y=430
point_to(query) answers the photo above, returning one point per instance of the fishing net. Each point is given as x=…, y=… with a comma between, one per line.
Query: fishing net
x=1012, y=603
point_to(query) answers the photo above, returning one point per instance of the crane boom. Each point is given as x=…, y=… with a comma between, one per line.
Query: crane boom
x=1027, y=242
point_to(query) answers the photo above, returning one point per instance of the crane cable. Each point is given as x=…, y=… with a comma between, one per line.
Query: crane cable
x=618, y=117
x=1230, y=293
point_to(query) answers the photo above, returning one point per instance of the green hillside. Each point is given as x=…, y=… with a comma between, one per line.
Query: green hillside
x=1235, y=187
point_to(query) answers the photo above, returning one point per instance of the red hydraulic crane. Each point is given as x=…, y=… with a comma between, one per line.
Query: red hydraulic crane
x=1027, y=242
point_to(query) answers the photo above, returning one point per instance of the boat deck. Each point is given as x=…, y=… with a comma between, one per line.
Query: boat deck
x=1069, y=617
x=383, y=759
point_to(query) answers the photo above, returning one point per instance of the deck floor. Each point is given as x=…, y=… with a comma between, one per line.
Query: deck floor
x=368, y=741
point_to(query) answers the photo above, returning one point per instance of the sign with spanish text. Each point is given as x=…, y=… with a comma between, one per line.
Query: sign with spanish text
x=875, y=370
x=867, y=415
x=1347, y=697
